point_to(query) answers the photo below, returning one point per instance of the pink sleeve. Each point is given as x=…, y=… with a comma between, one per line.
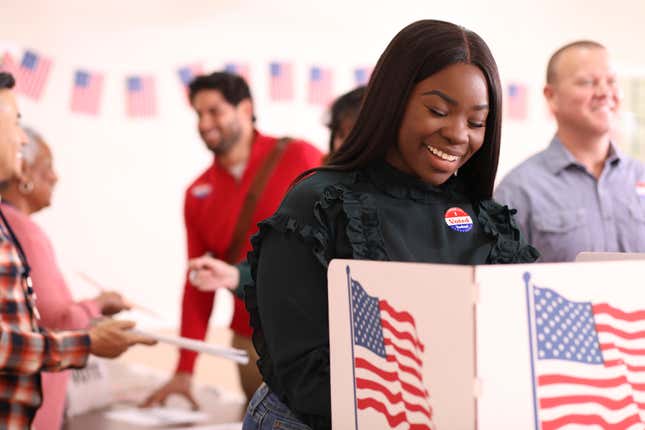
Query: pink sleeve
x=54, y=300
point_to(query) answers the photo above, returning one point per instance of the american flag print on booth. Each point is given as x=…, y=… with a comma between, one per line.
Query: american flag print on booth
x=517, y=102
x=32, y=74
x=140, y=98
x=319, y=86
x=240, y=69
x=388, y=363
x=280, y=81
x=86, y=92
x=588, y=362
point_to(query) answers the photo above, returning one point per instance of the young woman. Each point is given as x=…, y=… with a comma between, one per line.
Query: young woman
x=423, y=151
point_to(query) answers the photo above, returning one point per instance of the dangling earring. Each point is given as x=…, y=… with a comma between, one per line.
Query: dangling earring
x=456, y=172
x=26, y=187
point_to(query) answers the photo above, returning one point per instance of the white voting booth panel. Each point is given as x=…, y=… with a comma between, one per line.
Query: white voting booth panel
x=541, y=346
x=443, y=362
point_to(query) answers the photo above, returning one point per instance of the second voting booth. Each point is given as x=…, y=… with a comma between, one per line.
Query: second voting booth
x=540, y=346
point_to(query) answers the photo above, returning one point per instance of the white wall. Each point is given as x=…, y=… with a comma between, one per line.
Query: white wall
x=117, y=209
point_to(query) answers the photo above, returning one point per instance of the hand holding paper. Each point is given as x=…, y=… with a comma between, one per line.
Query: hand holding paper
x=208, y=274
x=237, y=355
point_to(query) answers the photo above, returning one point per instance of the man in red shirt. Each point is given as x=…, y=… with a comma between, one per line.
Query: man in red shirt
x=217, y=200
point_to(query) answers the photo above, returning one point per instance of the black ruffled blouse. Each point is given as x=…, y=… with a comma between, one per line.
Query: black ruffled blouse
x=377, y=213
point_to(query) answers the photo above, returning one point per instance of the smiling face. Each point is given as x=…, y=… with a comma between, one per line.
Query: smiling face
x=583, y=95
x=443, y=125
x=12, y=137
x=221, y=124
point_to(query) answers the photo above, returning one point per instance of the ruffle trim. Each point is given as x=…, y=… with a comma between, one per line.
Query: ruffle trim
x=283, y=224
x=363, y=225
x=509, y=247
x=363, y=231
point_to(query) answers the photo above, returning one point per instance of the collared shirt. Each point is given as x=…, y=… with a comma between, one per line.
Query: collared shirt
x=213, y=203
x=563, y=210
x=26, y=349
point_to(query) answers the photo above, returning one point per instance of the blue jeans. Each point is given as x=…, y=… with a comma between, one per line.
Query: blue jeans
x=267, y=412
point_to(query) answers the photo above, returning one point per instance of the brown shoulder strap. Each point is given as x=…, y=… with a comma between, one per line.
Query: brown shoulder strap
x=248, y=208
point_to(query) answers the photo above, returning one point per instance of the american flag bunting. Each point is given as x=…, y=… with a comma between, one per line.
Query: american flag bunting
x=140, y=96
x=362, y=75
x=280, y=81
x=8, y=64
x=319, y=86
x=32, y=74
x=186, y=75
x=86, y=92
x=517, y=102
x=241, y=69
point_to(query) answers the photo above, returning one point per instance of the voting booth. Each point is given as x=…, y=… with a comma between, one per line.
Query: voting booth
x=539, y=346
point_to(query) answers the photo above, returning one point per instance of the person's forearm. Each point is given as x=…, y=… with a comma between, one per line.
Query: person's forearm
x=30, y=352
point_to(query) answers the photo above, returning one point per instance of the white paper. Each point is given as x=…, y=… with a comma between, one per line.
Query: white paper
x=152, y=417
x=237, y=355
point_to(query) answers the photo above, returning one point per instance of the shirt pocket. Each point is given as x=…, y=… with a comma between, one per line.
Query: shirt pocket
x=631, y=227
x=560, y=236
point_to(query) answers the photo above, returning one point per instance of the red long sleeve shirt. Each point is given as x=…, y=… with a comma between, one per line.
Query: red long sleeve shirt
x=213, y=203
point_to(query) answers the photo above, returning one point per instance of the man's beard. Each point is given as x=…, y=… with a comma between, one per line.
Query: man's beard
x=227, y=142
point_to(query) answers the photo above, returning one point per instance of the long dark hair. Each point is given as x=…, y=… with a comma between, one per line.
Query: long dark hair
x=421, y=49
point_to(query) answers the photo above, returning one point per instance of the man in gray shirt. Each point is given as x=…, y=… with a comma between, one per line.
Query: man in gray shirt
x=581, y=193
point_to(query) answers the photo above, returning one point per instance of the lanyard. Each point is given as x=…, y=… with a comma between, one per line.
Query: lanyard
x=26, y=274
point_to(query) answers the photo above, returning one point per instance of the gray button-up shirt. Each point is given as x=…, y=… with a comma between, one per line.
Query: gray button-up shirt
x=562, y=209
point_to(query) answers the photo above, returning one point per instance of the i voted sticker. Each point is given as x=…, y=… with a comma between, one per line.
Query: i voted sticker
x=640, y=189
x=458, y=220
x=200, y=191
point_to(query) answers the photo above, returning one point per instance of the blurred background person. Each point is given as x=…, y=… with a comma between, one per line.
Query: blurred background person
x=581, y=193
x=208, y=273
x=249, y=174
x=343, y=114
x=23, y=195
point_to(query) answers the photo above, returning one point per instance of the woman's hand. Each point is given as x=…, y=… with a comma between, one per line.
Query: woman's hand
x=112, y=303
x=209, y=274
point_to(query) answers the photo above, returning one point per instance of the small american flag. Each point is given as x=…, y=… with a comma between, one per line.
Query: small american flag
x=280, y=81
x=589, y=362
x=187, y=74
x=388, y=362
x=7, y=64
x=517, y=102
x=241, y=69
x=140, y=96
x=32, y=74
x=362, y=75
x=86, y=92
x=320, y=84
